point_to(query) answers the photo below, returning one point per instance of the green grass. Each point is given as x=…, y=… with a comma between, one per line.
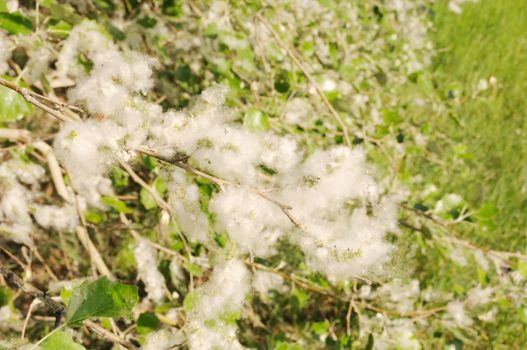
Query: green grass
x=489, y=130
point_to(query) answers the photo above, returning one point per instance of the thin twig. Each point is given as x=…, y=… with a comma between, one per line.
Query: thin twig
x=31, y=97
x=294, y=56
x=57, y=308
x=221, y=183
x=453, y=238
x=109, y=335
x=54, y=169
x=157, y=198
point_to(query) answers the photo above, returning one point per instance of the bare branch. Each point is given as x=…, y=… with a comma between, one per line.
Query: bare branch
x=32, y=98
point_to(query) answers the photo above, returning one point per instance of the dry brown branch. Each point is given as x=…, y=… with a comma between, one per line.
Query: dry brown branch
x=54, y=169
x=15, y=134
x=109, y=335
x=159, y=201
x=95, y=256
x=26, y=287
x=33, y=98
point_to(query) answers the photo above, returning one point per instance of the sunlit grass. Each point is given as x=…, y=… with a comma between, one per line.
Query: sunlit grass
x=487, y=39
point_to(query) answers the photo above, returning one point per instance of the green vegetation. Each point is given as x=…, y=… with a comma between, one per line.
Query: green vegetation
x=481, y=144
x=436, y=99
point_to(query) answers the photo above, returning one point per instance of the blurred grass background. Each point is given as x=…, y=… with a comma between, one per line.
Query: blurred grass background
x=487, y=130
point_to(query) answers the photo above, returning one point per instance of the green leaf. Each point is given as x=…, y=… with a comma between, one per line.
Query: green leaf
x=281, y=83
x=147, y=200
x=147, y=22
x=94, y=216
x=392, y=118
x=171, y=7
x=65, y=12
x=193, y=269
x=320, y=328
x=147, y=322
x=300, y=298
x=59, y=28
x=60, y=341
x=522, y=268
x=287, y=346
x=150, y=162
x=160, y=186
x=5, y=296
x=116, y=204
x=104, y=5
x=119, y=178
x=101, y=298
x=116, y=33
x=12, y=104
x=482, y=276
x=190, y=301
x=256, y=120
x=15, y=23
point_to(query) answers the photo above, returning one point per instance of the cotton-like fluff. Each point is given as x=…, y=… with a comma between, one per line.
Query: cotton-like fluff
x=15, y=170
x=14, y=214
x=398, y=334
x=184, y=198
x=399, y=295
x=114, y=77
x=147, y=271
x=252, y=222
x=40, y=53
x=207, y=134
x=88, y=148
x=344, y=219
x=59, y=218
x=15, y=199
x=280, y=154
x=264, y=281
x=87, y=38
x=164, y=339
x=211, y=321
x=457, y=315
x=5, y=52
x=298, y=111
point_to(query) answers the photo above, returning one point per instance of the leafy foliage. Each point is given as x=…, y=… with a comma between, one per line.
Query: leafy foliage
x=430, y=91
x=100, y=298
x=60, y=340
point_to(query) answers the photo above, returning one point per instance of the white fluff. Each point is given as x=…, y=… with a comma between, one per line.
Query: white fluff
x=252, y=222
x=456, y=312
x=184, y=200
x=15, y=199
x=59, y=218
x=86, y=37
x=147, y=271
x=344, y=217
x=223, y=295
x=164, y=339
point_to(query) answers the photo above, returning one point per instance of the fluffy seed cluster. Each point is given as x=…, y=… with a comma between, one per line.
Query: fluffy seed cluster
x=327, y=202
x=19, y=183
x=211, y=321
x=147, y=271
x=19, y=194
x=338, y=216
